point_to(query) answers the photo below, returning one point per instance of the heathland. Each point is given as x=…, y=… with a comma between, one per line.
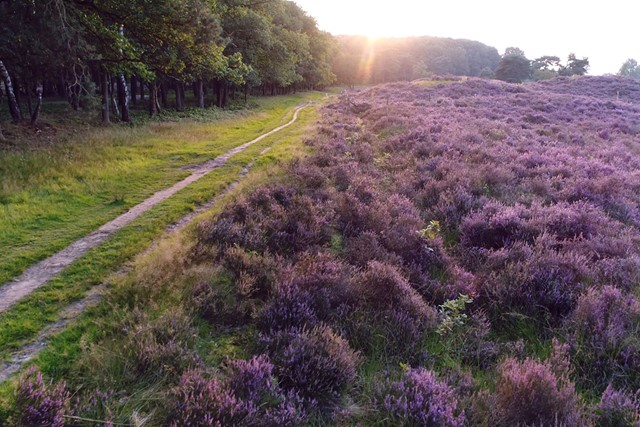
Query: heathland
x=448, y=254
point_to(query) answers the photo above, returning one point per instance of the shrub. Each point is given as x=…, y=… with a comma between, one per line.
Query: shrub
x=327, y=280
x=277, y=220
x=42, y=404
x=537, y=280
x=316, y=362
x=532, y=393
x=604, y=332
x=161, y=345
x=419, y=399
x=248, y=396
x=382, y=287
x=617, y=409
x=289, y=308
x=255, y=274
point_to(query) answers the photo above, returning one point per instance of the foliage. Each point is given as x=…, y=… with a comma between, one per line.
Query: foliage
x=630, y=68
x=316, y=363
x=452, y=315
x=617, y=409
x=513, y=68
x=418, y=399
x=42, y=404
x=606, y=322
x=248, y=395
x=533, y=393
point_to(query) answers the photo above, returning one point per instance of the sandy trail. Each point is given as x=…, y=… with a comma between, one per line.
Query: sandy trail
x=94, y=296
x=40, y=273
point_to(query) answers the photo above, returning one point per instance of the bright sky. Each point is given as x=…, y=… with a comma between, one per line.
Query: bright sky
x=604, y=31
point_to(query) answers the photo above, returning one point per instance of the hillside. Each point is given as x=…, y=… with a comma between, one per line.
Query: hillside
x=454, y=254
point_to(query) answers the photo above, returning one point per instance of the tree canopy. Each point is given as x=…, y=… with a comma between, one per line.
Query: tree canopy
x=630, y=68
x=70, y=45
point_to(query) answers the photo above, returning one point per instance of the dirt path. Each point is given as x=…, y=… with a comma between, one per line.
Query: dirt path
x=94, y=296
x=40, y=273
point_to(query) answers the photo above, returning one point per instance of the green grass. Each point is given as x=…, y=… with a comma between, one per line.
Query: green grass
x=26, y=318
x=52, y=196
x=23, y=321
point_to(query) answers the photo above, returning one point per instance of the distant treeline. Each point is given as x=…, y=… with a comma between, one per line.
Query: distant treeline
x=116, y=51
x=360, y=60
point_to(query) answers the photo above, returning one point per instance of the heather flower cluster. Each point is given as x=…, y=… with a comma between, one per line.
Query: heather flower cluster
x=617, y=409
x=42, y=404
x=248, y=396
x=536, y=393
x=419, y=399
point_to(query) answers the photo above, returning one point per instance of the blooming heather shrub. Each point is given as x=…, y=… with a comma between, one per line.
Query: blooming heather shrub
x=535, y=280
x=496, y=226
x=41, y=404
x=254, y=381
x=326, y=278
x=419, y=399
x=382, y=287
x=290, y=308
x=220, y=302
x=255, y=274
x=533, y=393
x=160, y=345
x=279, y=220
x=248, y=396
x=199, y=401
x=617, y=409
x=365, y=247
x=316, y=363
x=604, y=332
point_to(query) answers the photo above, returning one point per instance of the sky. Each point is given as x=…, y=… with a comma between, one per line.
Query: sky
x=605, y=32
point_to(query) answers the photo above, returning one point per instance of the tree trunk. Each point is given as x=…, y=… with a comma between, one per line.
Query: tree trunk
x=179, y=96
x=29, y=105
x=104, y=87
x=36, y=111
x=163, y=95
x=225, y=91
x=123, y=98
x=153, y=98
x=200, y=92
x=14, y=107
x=134, y=91
x=2, y=138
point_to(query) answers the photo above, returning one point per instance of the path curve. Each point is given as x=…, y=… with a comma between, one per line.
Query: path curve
x=40, y=273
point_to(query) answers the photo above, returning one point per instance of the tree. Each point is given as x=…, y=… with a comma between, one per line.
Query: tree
x=575, y=66
x=514, y=51
x=630, y=68
x=14, y=107
x=514, y=67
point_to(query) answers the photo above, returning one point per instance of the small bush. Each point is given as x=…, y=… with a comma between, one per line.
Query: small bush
x=290, y=308
x=248, y=396
x=419, y=399
x=532, y=393
x=277, y=220
x=617, y=409
x=381, y=287
x=317, y=363
x=161, y=345
x=604, y=332
x=42, y=404
x=255, y=274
